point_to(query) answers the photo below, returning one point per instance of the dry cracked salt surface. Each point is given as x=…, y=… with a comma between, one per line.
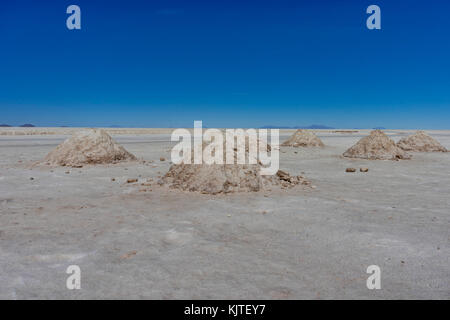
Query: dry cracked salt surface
x=134, y=241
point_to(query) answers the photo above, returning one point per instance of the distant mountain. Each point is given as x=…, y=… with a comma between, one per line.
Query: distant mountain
x=275, y=127
x=317, y=126
x=313, y=126
x=4, y=125
x=379, y=128
x=27, y=125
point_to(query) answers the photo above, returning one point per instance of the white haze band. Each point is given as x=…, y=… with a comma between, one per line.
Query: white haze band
x=235, y=147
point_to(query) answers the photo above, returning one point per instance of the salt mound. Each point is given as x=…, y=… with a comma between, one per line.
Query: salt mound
x=376, y=146
x=420, y=142
x=226, y=178
x=303, y=138
x=92, y=146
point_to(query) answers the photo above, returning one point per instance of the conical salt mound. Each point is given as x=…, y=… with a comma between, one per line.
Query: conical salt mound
x=303, y=138
x=226, y=178
x=92, y=146
x=376, y=146
x=420, y=142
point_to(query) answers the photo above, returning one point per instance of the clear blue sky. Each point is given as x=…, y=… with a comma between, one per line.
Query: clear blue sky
x=229, y=63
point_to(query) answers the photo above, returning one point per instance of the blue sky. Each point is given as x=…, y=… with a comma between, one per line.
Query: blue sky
x=228, y=63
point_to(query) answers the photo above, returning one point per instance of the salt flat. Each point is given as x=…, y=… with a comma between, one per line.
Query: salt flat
x=167, y=244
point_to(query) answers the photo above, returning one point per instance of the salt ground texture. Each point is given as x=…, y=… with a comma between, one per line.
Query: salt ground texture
x=376, y=146
x=92, y=146
x=303, y=138
x=420, y=142
x=163, y=243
